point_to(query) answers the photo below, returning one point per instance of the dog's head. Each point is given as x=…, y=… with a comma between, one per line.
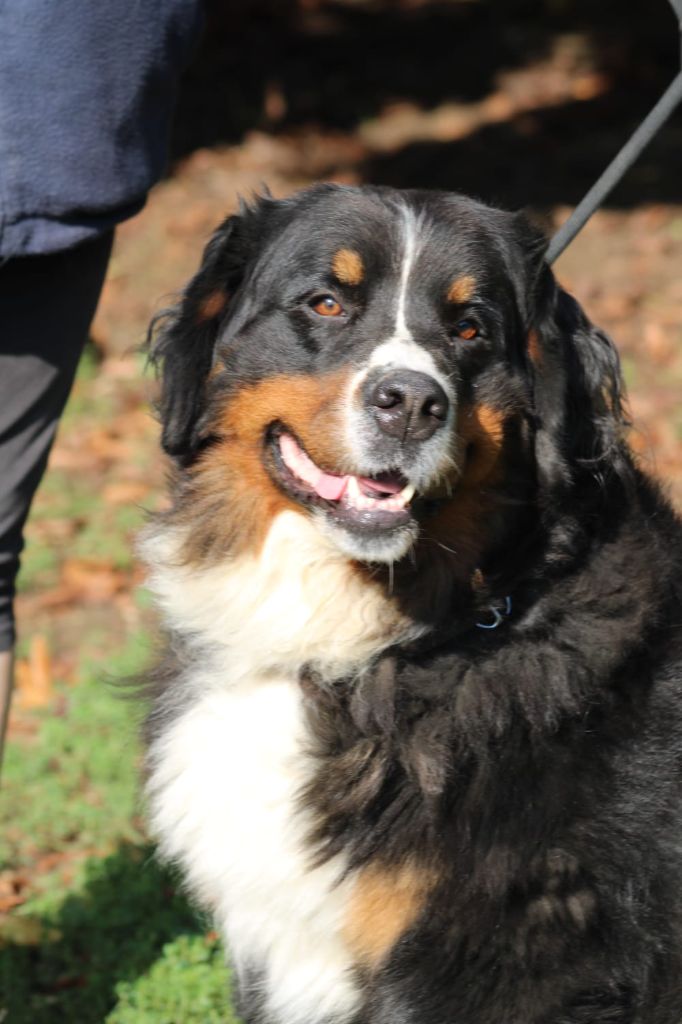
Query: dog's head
x=398, y=366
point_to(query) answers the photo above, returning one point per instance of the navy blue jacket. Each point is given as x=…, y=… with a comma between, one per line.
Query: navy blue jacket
x=86, y=95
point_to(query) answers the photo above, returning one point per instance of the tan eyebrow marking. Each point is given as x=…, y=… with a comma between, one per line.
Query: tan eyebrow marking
x=348, y=266
x=461, y=289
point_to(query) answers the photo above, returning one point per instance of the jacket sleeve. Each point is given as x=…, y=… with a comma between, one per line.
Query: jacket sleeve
x=86, y=98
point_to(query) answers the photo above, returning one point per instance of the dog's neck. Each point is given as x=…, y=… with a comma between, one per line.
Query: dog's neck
x=296, y=602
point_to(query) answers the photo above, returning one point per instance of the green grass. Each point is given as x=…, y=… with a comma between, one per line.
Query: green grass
x=157, y=996
x=104, y=531
x=105, y=933
x=73, y=786
x=125, y=948
x=116, y=941
x=82, y=407
x=108, y=533
x=69, y=519
x=40, y=568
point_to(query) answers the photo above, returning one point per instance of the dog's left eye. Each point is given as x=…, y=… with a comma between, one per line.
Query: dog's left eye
x=466, y=329
x=326, y=305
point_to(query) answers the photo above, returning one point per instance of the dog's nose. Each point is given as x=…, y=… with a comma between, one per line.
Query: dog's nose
x=409, y=405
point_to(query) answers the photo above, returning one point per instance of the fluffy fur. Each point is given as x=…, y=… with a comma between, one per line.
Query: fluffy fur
x=386, y=419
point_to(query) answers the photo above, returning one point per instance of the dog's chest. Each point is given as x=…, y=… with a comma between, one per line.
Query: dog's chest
x=225, y=788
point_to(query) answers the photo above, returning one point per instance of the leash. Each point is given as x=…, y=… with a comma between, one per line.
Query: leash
x=622, y=162
x=615, y=171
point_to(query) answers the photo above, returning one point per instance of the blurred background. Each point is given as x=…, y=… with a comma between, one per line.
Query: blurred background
x=518, y=102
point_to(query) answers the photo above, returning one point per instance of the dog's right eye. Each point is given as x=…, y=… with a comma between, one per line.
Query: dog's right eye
x=466, y=329
x=326, y=305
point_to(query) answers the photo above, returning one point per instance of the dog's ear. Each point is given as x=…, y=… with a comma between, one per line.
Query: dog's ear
x=182, y=340
x=575, y=374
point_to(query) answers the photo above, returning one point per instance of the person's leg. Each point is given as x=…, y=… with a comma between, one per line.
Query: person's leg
x=46, y=306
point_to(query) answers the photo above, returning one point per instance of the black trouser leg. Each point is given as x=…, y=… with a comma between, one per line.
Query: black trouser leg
x=46, y=306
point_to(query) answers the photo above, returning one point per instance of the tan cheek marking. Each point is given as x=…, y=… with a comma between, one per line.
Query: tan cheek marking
x=348, y=266
x=312, y=407
x=212, y=305
x=229, y=506
x=461, y=289
x=534, y=350
x=485, y=430
x=233, y=499
x=384, y=904
x=463, y=522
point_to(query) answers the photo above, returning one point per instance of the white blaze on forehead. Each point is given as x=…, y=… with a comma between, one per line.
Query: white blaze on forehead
x=411, y=228
x=400, y=349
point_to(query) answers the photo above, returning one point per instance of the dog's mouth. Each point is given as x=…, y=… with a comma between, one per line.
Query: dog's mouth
x=378, y=503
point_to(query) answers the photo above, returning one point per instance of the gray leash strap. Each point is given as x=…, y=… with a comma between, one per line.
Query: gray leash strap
x=621, y=163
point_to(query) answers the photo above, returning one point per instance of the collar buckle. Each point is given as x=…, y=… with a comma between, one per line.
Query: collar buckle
x=499, y=615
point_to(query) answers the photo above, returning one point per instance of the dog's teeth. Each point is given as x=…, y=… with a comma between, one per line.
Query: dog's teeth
x=362, y=502
x=353, y=493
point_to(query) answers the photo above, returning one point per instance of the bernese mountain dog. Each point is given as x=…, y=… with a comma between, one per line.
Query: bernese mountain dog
x=416, y=742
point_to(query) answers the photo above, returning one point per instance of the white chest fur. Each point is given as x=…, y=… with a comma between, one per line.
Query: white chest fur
x=298, y=601
x=224, y=787
x=226, y=774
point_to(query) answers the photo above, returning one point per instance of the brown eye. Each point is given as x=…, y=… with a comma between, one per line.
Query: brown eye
x=327, y=306
x=466, y=329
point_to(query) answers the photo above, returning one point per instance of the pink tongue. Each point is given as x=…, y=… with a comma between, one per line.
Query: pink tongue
x=327, y=485
x=381, y=486
x=330, y=487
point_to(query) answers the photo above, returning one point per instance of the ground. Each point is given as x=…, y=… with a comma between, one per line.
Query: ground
x=520, y=103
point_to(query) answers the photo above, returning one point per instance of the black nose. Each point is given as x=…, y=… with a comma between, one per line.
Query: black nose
x=406, y=404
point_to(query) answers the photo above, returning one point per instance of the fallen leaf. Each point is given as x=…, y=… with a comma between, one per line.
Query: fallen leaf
x=12, y=889
x=587, y=87
x=125, y=492
x=659, y=344
x=106, y=446
x=91, y=579
x=34, y=675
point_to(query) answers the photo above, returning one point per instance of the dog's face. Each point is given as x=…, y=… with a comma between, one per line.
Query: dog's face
x=385, y=363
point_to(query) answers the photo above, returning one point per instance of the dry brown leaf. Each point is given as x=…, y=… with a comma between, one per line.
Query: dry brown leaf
x=13, y=886
x=91, y=579
x=587, y=87
x=34, y=678
x=79, y=459
x=125, y=492
x=106, y=446
x=659, y=345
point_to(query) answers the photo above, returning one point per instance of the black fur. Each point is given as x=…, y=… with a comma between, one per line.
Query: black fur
x=556, y=738
x=535, y=770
